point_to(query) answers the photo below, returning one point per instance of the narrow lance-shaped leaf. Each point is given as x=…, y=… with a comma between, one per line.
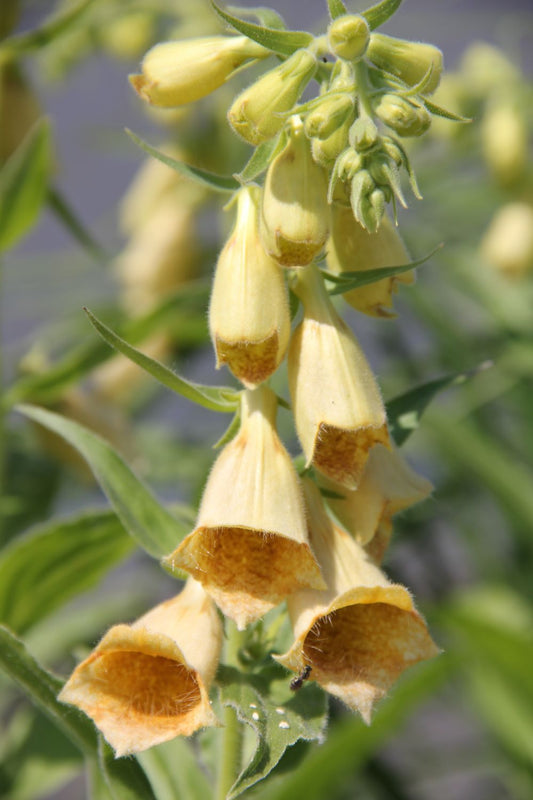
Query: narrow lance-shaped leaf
x=443, y=112
x=381, y=12
x=346, y=281
x=405, y=410
x=47, y=32
x=75, y=227
x=214, y=398
x=282, y=42
x=36, y=569
x=219, y=183
x=266, y=16
x=46, y=387
x=259, y=161
x=336, y=8
x=23, y=183
x=278, y=717
x=151, y=525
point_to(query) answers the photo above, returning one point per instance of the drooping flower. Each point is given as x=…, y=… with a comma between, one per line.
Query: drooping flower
x=249, y=548
x=146, y=683
x=360, y=634
x=249, y=311
x=337, y=406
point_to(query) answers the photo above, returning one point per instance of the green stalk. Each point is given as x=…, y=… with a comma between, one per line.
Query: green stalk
x=231, y=755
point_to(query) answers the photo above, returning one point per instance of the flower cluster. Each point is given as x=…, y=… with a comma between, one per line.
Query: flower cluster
x=263, y=534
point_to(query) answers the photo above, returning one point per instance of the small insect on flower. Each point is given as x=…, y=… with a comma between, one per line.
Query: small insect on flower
x=298, y=682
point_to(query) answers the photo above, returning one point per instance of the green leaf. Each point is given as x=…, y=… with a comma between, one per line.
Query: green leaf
x=214, y=398
x=336, y=8
x=36, y=569
x=277, y=716
x=169, y=783
x=124, y=777
x=42, y=688
x=23, y=183
x=443, y=112
x=48, y=386
x=404, y=412
x=259, y=161
x=351, y=743
x=219, y=183
x=67, y=216
x=346, y=281
x=151, y=525
x=381, y=12
x=40, y=37
x=266, y=16
x=282, y=42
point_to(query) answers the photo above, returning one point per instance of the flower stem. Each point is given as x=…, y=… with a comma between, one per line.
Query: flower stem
x=231, y=755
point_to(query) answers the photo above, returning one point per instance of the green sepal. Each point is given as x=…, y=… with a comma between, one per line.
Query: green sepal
x=259, y=160
x=405, y=410
x=408, y=168
x=215, y=398
x=336, y=8
x=230, y=431
x=23, y=184
x=67, y=216
x=381, y=12
x=55, y=25
x=283, y=42
x=266, y=16
x=218, y=183
x=148, y=522
x=48, y=386
x=36, y=569
x=277, y=717
x=443, y=112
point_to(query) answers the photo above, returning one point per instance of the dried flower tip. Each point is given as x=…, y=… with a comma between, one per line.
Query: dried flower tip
x=147, y=683
x=351, y=248
x=409, y=61
x=294, y=213
x=360, y=634
x=249, y=312
x=402, y=115
x=337, y=406
x=348, y=37
x=508, y=243
x=257, y=113
x=388, y=486
x=249, y=548
x=176, y=73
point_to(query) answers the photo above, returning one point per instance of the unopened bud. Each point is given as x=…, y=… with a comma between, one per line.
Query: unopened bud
x=409, y=61
x=249, y=313
x=363, y=134
x=402, y=115
x=294, y=215
x=329, y=115
x=257, y=113
x=367, y=201
x=176, y=73
x=348, y=37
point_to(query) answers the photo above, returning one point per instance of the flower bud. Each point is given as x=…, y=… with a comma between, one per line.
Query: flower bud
x=294, y=212
x=148, y=682
x=367, y=201
x=388, y=486
x=409, y=61
x=258, y=113
x=360, y=634
x=176, y=73
x=337, y=406
x=363, y=134
x=351, y=248
x=504, y=138
x=249, y=316
x=508, y=243
x=326, y=118
x=348, y=36
x=250, y=548
x=402, y=115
